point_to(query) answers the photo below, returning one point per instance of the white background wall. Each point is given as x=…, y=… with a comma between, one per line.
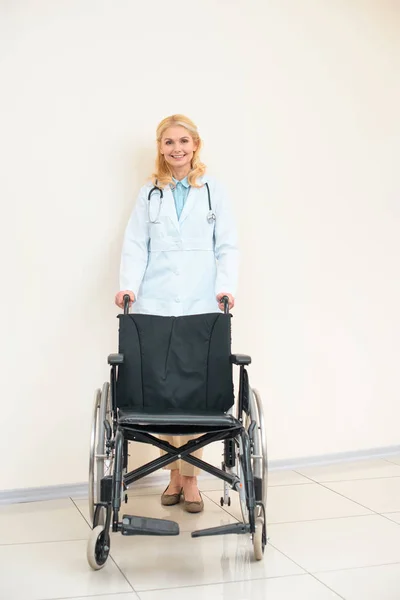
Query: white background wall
x=298, y=104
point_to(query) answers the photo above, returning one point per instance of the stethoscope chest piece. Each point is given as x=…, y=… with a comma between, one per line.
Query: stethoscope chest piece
x=211, y=217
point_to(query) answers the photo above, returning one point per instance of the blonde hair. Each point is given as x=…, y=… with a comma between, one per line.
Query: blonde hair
x=163, y=174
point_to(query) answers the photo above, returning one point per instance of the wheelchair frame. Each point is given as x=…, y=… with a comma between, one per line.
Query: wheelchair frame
x=244, y=469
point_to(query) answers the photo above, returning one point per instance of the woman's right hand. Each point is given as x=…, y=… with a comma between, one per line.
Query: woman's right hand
x=119, y=298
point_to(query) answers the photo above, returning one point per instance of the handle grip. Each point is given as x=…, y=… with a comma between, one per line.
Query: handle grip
x=127, y=301
x=225, y=301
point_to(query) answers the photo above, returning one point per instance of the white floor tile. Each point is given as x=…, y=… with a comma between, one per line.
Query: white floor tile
x=372, y=583
x=300, y=587
x=150, y=506
x=362, y=469
x=157, y=563
x=281, y=477
x=50, y=521
x=286, y=477
x=336, y=544
x=287, y=504
x=54, y=570
x=211, y=483
x=129, y=596
x=380, y=495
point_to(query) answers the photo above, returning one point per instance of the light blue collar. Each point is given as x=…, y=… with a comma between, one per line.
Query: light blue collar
x=184, y=182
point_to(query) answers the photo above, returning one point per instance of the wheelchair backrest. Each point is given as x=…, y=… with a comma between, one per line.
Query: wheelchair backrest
x=175, y=363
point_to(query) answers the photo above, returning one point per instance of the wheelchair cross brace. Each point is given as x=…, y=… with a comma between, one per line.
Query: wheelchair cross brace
x=132, y=525
x=183, y=452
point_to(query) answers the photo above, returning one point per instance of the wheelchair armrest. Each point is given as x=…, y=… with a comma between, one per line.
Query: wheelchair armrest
x=115, y=359
x=240, y=359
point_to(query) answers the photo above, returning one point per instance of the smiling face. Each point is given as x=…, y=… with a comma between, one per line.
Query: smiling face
x=177, y=146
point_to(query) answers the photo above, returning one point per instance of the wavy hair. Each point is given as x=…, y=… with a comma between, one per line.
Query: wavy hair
x=163, y=174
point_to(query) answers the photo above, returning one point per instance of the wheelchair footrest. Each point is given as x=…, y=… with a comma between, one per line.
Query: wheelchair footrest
x=237, y=528
x=132, y=525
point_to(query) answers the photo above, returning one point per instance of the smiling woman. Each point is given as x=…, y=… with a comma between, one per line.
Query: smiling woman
x=181, y=262
x=179, y=146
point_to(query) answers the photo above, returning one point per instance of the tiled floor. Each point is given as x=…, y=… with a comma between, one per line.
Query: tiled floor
x=334, y=532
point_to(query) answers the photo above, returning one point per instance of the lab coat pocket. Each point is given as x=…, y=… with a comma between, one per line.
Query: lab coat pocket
x=157, y=230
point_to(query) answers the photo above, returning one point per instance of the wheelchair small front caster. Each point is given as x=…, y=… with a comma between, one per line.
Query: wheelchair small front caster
x=98, y=548
x=222, y=502
x=259, y=540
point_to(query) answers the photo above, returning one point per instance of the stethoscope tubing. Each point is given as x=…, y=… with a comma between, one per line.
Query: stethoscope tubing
x=210, y=215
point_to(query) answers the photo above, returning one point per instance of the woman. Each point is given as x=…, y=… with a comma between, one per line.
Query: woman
x=179, y=255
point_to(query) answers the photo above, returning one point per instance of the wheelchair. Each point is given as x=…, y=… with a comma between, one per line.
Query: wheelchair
x=173, y=376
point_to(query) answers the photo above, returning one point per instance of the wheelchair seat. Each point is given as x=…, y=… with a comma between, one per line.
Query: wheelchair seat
x=176, y=422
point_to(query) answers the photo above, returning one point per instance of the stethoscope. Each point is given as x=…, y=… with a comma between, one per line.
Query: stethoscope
x=210, y=214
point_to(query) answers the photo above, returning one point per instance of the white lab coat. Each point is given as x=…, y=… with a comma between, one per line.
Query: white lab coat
x=176, y=267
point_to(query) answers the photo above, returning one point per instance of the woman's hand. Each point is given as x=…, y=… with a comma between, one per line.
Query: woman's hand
x=119, y=298
x=229, y=296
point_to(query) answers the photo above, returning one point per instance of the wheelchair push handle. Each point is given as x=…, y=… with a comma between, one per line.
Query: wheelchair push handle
x=127, y=301
x=225, y=301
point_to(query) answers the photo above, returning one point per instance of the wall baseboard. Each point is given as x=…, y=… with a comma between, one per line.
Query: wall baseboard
x=79, y=490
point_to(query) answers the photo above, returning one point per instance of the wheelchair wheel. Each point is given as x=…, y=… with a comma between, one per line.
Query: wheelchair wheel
x=259, y=540
x=242, y=492
x=259, y=456
x=100, y=461
x=98, y=548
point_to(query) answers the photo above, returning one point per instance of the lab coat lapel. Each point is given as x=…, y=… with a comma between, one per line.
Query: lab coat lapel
x=191, y=200
x=170, y=209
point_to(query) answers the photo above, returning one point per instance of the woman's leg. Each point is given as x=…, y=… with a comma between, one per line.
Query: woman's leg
x=175, y=485
x=188, y=472
x=183, y=475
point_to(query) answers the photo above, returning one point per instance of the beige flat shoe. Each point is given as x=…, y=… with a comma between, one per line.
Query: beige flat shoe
x=193, y=507
x=170, y=499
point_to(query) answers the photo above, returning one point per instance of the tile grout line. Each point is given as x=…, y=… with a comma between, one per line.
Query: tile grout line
x=301, y=521
x=110, y=555
x=387, y=518
x=391, y=461
x=306, y=571
x=338, y=480
x=116, y=594
x=222, y=583
x=374, y=512
x=327, y=586
x=357, y=568
x=43, y=542
x=310, y=520
x=323, y=519
x=81, y=513
x=355, y=502
x=221, y=507
x=122, y=573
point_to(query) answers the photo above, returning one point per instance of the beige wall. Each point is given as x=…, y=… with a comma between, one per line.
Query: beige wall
x=298, y=105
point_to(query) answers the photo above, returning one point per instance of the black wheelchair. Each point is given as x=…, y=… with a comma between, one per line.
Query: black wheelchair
x=173, y=376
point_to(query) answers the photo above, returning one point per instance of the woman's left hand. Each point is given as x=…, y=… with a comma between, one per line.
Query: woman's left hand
x=221, y=304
